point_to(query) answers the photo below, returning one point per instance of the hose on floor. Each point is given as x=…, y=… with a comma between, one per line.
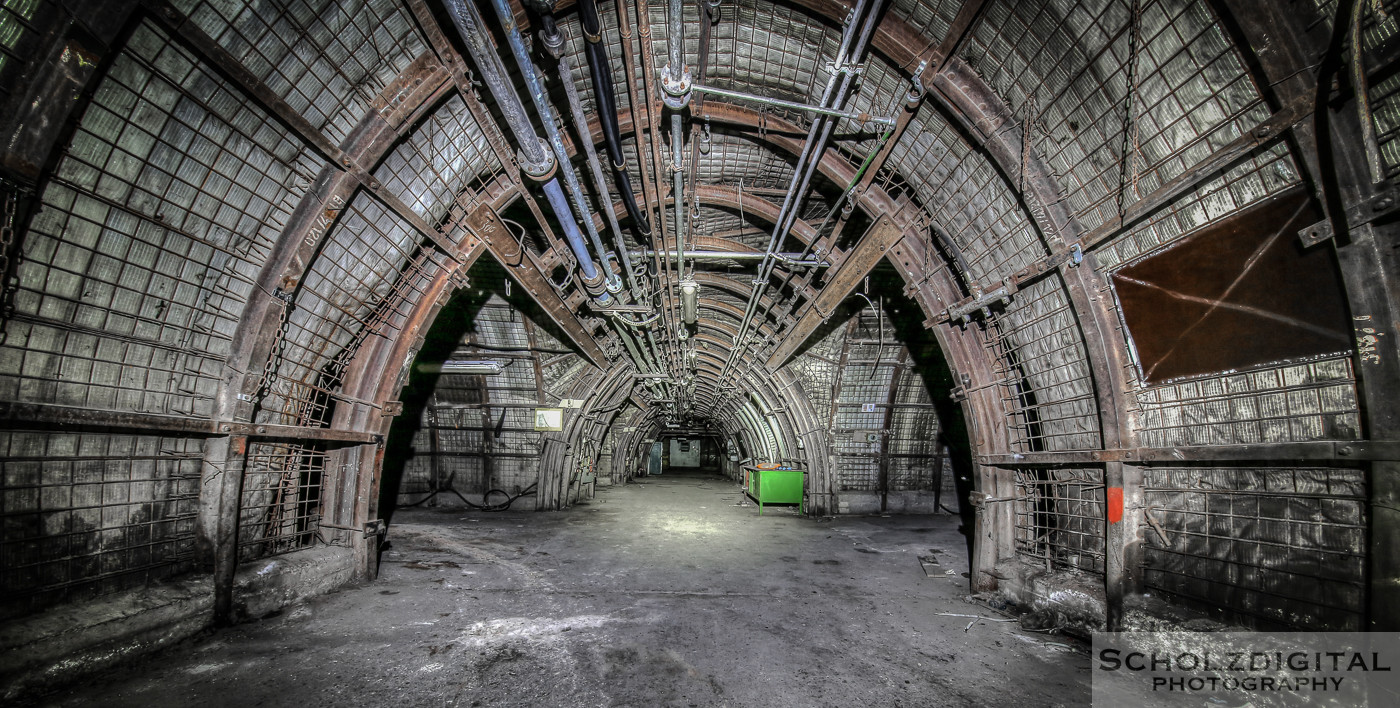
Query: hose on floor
x=485, y=504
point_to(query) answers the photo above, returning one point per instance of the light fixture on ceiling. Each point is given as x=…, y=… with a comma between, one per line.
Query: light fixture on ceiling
x=482, y=367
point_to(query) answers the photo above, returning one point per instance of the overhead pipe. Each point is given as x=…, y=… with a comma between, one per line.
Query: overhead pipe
x=553, y=40
x=604, y=98
x=535, y=158
x=792, y=259
x=601, y=284
x=794, y=105
x=818, y=134
x=676, y=84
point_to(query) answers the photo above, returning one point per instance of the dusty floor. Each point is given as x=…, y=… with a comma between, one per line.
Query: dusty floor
x=662, y=593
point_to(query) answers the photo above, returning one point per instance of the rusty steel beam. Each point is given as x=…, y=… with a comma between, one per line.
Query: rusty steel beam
x=1300, y=453
x=487, y=226
x=857, y=264
x=15, y=415
x=1335, y=156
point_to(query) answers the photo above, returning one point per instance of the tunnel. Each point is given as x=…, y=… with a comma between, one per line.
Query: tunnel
x=688, y=352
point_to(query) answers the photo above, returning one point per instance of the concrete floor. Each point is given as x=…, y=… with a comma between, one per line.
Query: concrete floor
x=667, y=592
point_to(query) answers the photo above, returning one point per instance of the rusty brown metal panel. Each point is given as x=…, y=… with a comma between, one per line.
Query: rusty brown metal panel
x=1235, y=295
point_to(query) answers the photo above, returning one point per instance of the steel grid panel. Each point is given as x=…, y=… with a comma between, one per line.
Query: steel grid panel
x=1272, y=547
x=498, y=324
x=854, y=474
x=281, y=503
x=734, y=159
x=1043, y=370
x=444, y=153
x=1291, y=403
x=366, y=279
x=162, y=209
x=1193, y=92
x=762, y=47
x=19, y=37
x=930, y=18
x=86, y=514
x=1059, y=518
x=328, y=59
x=964, y=195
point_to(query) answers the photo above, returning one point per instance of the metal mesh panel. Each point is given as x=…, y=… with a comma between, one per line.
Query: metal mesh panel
x=365, y=281
x=854, y=474
x=1267, y=546
x=327, y=59
x=734, y=158
x=1044, y=371
x=18, y=37
x=1264, y=175
x=281, y=499
x=161, y=211
x=90, y=513
x=930, y=18
x=499, y=326
x=964, y=194
x=444, y=153
x=1059, y=516
x=1193, y=93
x=762, y=47
x=1313, y=401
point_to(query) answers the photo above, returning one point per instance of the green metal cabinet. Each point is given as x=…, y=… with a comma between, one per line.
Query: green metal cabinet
x=775, y=487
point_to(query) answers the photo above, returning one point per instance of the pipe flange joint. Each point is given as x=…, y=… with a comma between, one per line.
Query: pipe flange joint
x=595, y=286
x=676, y=86
x=553, y=43
x=540, y=171
x=613, y=284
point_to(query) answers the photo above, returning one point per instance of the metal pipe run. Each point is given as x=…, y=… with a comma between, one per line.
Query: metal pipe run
x=535, y=159
x=792, y=259
x=600, y=71
x=602, y=284
x=853, y=44
x=793, y=105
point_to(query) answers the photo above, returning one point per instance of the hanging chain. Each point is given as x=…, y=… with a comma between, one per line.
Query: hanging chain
x=274, y=357
x=1128, y=177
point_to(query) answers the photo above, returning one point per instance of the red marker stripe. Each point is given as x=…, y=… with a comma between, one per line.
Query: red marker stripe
x=1115, y=504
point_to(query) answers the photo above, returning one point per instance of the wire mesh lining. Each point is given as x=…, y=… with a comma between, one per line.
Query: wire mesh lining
x=963, y=194
x=498, y=326
x=1193, y=91
x=162, y=209
x=1043, y=371
x=1059, y=517
x=1264, y=175
x=1277, y=546
x=815, y=369
x=327, y=59
x=1311, y=401
x=733, y=158
x=281, y=509
x=364, y=282
x=19, y=37
x=86, y=514
x=766, y=48
x=445, y=152
x=930, y=18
